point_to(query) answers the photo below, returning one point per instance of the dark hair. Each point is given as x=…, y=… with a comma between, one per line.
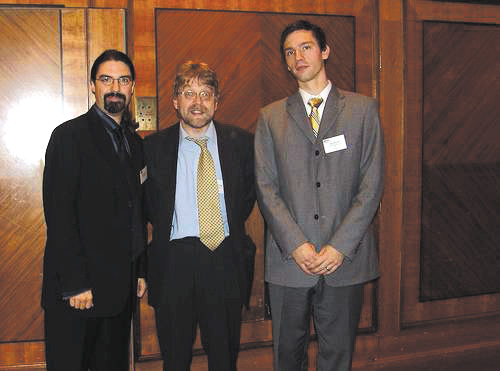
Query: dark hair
x=111, y=55
x=200, y=71
x=318, y=34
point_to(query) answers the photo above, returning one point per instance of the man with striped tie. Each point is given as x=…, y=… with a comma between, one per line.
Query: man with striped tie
x=319, y=168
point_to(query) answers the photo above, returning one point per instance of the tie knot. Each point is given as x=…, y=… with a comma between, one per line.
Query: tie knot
x=202, y=142
x=315, y=102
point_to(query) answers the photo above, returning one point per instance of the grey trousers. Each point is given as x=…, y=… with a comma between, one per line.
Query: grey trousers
x=335, y=312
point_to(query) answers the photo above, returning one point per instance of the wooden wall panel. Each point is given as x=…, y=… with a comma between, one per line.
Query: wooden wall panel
x=243, y=47
x=25, y=123
x=424, y=104
x=461, y=161
x=45, y=81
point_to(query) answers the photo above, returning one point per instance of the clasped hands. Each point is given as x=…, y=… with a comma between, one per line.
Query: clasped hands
x=84, y=300
x=326, y=261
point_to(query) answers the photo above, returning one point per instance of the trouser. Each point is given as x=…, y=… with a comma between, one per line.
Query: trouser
x=335, y=312
x=200, y=287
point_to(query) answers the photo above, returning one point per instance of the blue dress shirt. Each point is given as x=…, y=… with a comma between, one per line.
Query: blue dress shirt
x=185, y=219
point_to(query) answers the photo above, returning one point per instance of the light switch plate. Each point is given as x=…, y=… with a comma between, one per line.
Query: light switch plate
x=145, y=113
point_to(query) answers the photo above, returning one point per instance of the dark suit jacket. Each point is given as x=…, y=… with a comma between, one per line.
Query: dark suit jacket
x=237, y=164
x=93, y=210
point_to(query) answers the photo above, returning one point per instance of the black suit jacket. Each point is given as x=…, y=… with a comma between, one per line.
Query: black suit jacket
x=237, y=164
x=93, y=211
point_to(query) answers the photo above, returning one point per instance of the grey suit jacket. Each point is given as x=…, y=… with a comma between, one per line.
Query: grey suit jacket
x=324, y=195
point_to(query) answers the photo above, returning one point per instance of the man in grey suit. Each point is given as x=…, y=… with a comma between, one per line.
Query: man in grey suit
x=318, y=189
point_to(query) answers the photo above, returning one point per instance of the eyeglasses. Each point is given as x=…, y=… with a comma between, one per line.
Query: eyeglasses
x=108, y=80
x=204, y=95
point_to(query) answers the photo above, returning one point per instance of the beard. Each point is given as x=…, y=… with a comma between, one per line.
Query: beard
x=198, y=122
x=112, y=106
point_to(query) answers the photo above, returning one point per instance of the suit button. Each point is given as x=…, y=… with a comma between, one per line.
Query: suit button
x=129, y=204
x=318, y=184
x=316, y=216
x=316, y=153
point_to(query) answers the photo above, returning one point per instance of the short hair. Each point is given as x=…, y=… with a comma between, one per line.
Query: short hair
x=112, y=55
x=318, y=34
x=200, y=71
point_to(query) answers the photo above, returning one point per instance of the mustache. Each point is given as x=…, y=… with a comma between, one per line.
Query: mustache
x=197, y=107
x=114, y=94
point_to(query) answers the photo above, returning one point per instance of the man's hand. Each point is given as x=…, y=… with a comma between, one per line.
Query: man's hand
x=304, y=256
x=141, y=287
x=82, y=301
x=327, y=260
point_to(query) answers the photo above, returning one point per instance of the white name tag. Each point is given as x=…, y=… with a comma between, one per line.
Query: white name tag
x=334, y=144
x=220, y=186
x=143, y=174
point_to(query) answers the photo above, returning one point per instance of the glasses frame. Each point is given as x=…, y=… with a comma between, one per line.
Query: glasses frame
x=122, y=80
x=191, y=94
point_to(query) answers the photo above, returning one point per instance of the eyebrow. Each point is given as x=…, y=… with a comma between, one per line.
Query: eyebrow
x=301, y=44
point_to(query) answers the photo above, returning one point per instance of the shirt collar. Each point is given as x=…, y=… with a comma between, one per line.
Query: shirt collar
x=324, y=94
x=108, y=122
x=209, y=133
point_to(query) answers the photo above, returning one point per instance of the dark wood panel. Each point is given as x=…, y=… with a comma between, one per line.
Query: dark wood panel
x=449, y=133
x=461, y=161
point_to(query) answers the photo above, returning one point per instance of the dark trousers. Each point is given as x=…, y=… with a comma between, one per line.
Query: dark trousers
x=200, y=287
x=75, y=342
x=335, y=312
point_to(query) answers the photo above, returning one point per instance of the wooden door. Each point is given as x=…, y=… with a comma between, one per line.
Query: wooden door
x=45, y=60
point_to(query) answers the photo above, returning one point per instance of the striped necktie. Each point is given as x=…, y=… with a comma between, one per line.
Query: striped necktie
x=209, y=212
x=314, y=116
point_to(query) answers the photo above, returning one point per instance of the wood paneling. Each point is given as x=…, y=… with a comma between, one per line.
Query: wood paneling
x=243, y=47
x=25, y=122
x=387, y=39
x=461, y=161
x=450, y=104
x=44, y=82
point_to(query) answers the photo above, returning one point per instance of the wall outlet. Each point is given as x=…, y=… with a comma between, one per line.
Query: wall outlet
x=145, y=113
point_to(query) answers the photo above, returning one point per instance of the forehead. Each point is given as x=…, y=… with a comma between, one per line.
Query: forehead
x=299, y=37
x=196, y=83
x=113, y=68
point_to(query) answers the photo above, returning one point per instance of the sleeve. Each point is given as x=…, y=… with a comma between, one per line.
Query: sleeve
x=64, y=248
x=283, y=227
x=365, y=203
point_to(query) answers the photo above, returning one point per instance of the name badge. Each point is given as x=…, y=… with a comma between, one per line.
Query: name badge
x=220, y=186
x=143, y=174
x=334, y=144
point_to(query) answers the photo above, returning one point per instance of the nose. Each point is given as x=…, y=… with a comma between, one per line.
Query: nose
x=115, y=86
x=197, y=98
x=298, y=54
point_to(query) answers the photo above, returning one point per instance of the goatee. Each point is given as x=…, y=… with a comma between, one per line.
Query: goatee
x=112, y=106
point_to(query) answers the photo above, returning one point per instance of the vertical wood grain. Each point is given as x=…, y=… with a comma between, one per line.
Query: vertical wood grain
x=106, y=29
x=74, y=56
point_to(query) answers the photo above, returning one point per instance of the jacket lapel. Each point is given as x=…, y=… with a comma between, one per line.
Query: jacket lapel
x=296, y=110
x=226, y=156
x=102, y=141
x=333, y=106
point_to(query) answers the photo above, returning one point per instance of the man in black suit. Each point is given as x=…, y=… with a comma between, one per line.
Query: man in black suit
x=199, y=271
x=92, y=196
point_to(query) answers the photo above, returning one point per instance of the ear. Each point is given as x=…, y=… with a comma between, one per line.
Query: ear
x=325, y=53
x=176, y=103
x=92, y=87
x=132, y=89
